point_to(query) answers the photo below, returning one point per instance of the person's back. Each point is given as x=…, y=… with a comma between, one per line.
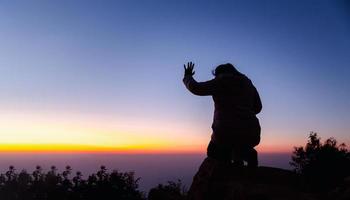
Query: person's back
x=234, y=98
x=235, y=126
x=236, y=104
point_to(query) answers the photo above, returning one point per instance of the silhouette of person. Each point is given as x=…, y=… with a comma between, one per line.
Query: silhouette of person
x=236, y=129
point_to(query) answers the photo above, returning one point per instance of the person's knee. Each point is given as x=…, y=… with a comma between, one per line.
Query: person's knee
x=218, y=152
x=238, y=157
x=252, y=158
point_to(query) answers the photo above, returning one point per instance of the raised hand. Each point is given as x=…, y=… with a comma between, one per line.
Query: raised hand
x=189, y=69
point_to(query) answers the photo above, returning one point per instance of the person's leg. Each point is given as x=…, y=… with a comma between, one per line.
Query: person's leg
x=237, y=156
x=219, y=152
x=252, y=157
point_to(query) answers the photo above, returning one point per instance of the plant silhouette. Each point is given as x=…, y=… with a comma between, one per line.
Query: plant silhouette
x=323, y=165
x=102, y=185
x=170, y=191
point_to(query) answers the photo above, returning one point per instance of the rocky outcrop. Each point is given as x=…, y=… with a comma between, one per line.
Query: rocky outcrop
x=342, y=192
x=218, y=181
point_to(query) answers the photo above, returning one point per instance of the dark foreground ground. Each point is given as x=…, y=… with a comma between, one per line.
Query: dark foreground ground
x=215, y=181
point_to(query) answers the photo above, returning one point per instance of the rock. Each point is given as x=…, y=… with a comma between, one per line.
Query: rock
x=342, y=192
x=170, y=191
x=159, y=194
x=219, y=181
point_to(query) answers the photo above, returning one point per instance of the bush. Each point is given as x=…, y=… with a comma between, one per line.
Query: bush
x=170, y=191
x=59, y=186
x=323, y=165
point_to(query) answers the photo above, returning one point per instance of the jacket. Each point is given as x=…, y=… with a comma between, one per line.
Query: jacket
x=236, y=104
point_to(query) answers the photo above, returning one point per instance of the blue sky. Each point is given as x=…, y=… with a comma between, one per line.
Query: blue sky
x=123, y=60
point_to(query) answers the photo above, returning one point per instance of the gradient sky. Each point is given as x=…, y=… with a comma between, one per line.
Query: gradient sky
x=102, y=75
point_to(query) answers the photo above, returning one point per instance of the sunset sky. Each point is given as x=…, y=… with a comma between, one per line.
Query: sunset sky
x=90, y=76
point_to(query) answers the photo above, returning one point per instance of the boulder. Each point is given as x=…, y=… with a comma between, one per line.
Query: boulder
x=222, y=181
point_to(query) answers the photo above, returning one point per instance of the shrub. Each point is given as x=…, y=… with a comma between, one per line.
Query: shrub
x=170, y=191
x=60, y=186
x=323, y=165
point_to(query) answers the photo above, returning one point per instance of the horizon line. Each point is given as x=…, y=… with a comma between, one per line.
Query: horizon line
x=61, y=148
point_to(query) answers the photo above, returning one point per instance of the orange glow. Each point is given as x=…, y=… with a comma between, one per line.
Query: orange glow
x=274, y=148
x=28, y=132
x=133, y=149
x=67, y=148
x=67, y=133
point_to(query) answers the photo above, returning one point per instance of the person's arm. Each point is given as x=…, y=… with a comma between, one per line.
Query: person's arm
x=257, y=102
x=197, y=88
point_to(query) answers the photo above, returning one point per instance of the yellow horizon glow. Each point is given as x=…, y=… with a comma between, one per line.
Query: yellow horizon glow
x=62, y=133
x=27, y=132
x=71, y=148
